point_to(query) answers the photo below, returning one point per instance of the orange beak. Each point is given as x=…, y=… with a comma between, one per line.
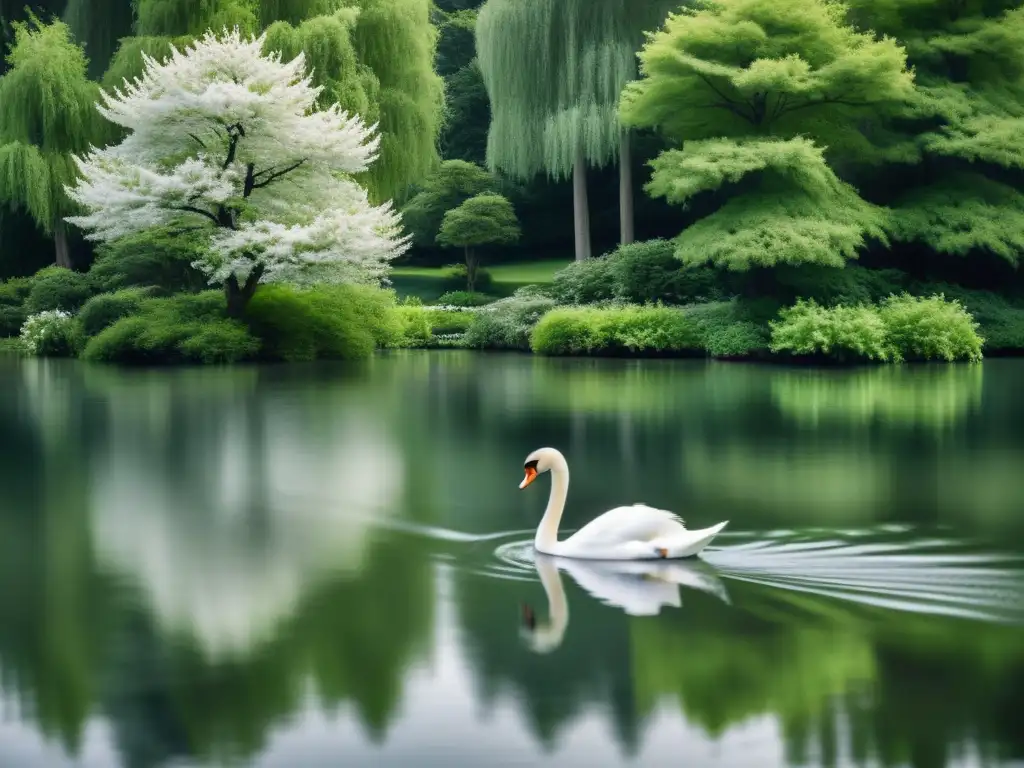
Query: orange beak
x=531, y=475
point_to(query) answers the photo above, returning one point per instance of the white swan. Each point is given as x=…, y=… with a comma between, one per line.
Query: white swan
x=638, y=532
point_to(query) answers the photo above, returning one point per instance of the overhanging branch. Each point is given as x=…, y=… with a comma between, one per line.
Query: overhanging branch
x=273, y=173
x=198, y=211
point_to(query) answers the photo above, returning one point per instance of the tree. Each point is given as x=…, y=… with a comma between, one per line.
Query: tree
x=554, y=70
x=959, y=189
x=46, y=115
x=226, y=138
x=767, y=97
x=454, y=182
x=485, y=219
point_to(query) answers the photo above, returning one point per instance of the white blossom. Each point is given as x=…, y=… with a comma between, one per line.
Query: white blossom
x=225, y=137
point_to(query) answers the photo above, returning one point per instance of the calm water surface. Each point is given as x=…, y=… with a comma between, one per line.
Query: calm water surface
x=320, y=566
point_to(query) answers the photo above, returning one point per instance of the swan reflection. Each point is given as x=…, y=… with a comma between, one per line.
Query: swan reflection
x=638, y=587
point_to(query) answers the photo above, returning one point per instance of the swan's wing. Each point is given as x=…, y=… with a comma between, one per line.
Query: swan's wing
x=632, y=593
x=624, y=524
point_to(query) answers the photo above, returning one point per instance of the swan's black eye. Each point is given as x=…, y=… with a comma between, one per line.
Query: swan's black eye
x=531, y=464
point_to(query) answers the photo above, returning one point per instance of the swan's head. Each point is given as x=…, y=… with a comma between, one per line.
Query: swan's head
x=541, y=460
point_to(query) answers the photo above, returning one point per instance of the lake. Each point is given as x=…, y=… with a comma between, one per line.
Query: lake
x=327, y=565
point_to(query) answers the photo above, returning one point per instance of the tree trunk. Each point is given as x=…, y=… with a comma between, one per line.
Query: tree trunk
x=238, y=296
x=580, y=211
x=471, y=268
x=625, y=188
x=60, y=243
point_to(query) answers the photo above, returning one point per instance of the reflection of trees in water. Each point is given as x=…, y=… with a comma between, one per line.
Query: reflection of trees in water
x=861, y=683
x=588, y=672
x=235, y=511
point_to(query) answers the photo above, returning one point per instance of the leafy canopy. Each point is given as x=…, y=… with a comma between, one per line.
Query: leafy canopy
x=224, y=137
x=454, y=182
x=485, y=219
x=760, y=91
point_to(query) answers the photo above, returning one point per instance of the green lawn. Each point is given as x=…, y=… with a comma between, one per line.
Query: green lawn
x=522, y=273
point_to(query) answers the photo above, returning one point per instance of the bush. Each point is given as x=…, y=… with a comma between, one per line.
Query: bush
x=585, y=282
x=157, y=258
x=931, y=328
x=465, y=299
x=12, y=299
x=507, y=323
x=1002, y=323
x=844, y=333
x=58, y=288
x=729, y=329
x=585, y=330
x=104, y=310
x=832, y=286
x=179, y=329
x=650, y=271
x=337, y=322
x=415, y=322
x=52, y=333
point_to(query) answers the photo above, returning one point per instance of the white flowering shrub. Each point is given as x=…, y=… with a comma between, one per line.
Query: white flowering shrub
x=223, y=137
x=52, y=333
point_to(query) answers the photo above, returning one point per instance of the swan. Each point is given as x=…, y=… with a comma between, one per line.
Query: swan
x=638, y=532
x=638, y=588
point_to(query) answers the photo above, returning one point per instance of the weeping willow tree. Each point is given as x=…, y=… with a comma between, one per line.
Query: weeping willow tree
x=98, y=25
x=756, y=92
x=554, y=70
x=374, y=57
x=46, y=115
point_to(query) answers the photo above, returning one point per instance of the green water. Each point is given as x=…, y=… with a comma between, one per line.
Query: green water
x=320, y=566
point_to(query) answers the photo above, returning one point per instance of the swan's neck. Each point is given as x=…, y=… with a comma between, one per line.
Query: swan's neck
x=547, y=531
x=550, y=637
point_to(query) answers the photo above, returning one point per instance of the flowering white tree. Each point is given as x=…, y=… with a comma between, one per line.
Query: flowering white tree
x=223, y=137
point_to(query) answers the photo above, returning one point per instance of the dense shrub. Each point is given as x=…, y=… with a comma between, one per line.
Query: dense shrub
x=830, y=286
x=336, y=322
x=903, y=327
x=104, y=310
x=729, y=329
x=612, y=330
x=1002, y=322
x=58, y=288
x=465, y=299
x=415, y=323
x=506, y=324
x=585, y=282
x=182, y=328
x=51, y=333
x=931, y=328
x=157, y=257
x=843, y=333
x=12, y=300
x=649, y=271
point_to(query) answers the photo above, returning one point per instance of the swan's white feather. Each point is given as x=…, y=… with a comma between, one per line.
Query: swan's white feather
x=634, y=523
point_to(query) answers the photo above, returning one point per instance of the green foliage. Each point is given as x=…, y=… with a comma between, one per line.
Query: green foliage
x=454, y=182
x=46, y=114
x=842, y=332
x=615, y=330
x=507, y=323
x=961, y=213
x=931, y=328
x=456, y=44
x=58, y=288
x=415, y=325
x=455, y=277
x=749, y=67
x=637, y=273
x=104, y=310
x=728, y=330
x=1002, y=323
x=339, y=322
x=467, y=116
x=157, y=257
x=12, y=299
x=585, y=282
x=51, y=333
x=128, y=63
x=903, y=327
x=188, y=328
x=485, y=219
x=326, y=42
x=465, y=299
x=852, y=284
x=174, y=17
